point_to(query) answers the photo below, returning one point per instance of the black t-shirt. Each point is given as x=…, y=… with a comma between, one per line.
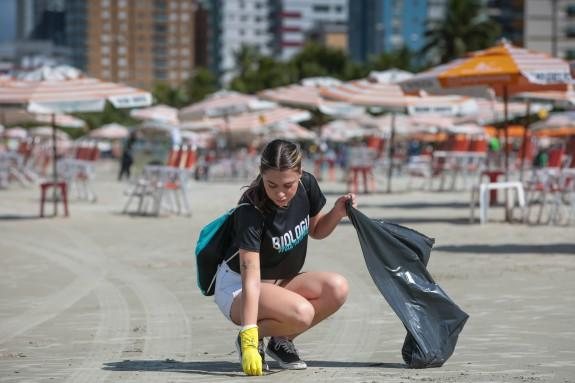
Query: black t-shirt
x=280, y=236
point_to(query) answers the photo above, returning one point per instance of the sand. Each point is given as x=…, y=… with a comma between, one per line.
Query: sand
x=106, y=297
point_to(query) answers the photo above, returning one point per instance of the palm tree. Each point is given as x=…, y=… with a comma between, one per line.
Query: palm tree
x=465, y=28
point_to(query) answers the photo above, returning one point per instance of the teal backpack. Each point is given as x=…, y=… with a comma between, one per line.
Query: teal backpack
x=214, y=240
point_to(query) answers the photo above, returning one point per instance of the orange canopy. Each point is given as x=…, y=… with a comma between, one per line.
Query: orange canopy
x=514, y=131
x=502, y=67
x=556, y=132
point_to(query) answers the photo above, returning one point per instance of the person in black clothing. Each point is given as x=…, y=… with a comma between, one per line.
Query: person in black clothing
x=263, y=289
x=127, y=156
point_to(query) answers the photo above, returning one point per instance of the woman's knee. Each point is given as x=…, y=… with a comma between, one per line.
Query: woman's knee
x=337, y=289
x=303, y=314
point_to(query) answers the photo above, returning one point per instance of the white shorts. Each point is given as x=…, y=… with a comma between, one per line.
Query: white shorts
x=228, y=286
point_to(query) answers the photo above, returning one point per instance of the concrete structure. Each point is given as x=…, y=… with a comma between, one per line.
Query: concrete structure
x=299, y=18
x=550, y=27
x=377, y=26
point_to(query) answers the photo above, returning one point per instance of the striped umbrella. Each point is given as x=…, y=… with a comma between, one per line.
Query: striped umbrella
x=309, y=97
x=161, y=113
x=223, y=103
x=389, y=97
x=54, y=90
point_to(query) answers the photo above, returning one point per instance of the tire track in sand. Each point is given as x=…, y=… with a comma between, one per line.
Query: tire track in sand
x=52, y=305
x=168, y=332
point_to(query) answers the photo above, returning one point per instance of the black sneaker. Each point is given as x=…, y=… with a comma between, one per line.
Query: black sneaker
x=283, y=351
x=261, y=347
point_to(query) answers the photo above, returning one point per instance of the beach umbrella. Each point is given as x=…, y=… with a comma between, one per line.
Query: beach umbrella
x=289, y=131
x=53, y=90
x=556, y=125
x=162, y=113
x=308, y=97
x=46, y=132
x=19, y=116
x=388, y=97
x=562, y=99
x=504, y=68
x=16, y=133
x=111, y=131
x=223, y=104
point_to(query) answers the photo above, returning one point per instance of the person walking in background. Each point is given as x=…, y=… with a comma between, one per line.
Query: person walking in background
x=127, y=158
x=263, y=290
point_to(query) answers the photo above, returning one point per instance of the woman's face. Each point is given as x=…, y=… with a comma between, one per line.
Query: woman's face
x=281, y=186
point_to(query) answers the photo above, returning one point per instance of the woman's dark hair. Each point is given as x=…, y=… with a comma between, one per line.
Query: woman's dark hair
x=277, y=155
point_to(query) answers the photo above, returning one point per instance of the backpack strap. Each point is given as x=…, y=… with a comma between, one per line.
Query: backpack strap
x=234, y=255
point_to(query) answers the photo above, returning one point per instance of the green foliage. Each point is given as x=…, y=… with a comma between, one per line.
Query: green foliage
x=464, y=29
x=164, y=94
x=257, y=72
x=400, y=59
x=109, y=115
x=201, y=84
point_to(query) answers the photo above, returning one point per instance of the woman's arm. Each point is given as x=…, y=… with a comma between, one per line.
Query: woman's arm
x=322, y=225
x=250, y=270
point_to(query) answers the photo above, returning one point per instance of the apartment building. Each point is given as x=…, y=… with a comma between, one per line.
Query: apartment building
x=377, y=26
x=139, y=42
x=550, y=27
x=298, y=19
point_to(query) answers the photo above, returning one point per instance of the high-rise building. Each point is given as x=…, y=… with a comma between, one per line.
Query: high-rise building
x=136, y=42
x=377, y=26
x=234, y=24
x=35, y=33
x=299, y=18
x=509, y=15
x=550, y=27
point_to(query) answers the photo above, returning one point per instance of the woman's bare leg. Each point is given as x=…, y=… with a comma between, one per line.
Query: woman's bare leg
x=326, y=291
x=298, y=304
x=280, y=312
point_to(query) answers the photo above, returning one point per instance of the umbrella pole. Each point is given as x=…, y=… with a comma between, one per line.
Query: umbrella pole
x=524, y=143
x=54, y=167
x=506, y=127
x=391, y=152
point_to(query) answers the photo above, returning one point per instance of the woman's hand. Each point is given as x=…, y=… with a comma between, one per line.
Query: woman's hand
x=340, y=204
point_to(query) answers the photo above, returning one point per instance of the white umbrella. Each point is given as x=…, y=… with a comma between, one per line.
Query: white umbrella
x=47, y=133
x=161, y=113
x=223, y=103
x=110, y=132
x=17, y=132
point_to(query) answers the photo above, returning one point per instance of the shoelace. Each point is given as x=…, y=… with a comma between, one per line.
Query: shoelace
x=286, y=345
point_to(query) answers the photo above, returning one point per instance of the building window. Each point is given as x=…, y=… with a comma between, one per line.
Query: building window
x=570, y=31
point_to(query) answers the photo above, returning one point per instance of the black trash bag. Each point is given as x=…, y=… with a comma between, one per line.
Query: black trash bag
x=396, y=258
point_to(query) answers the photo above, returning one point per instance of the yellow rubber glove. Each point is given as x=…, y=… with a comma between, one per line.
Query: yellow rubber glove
x=251, y=359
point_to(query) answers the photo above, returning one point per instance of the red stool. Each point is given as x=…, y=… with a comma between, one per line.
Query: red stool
x=44, y=186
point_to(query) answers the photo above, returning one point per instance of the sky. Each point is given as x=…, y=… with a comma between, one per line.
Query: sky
x=7, y=20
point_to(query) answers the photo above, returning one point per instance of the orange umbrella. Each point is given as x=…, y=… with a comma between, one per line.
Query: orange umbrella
x=513, y=131
x=556, y=132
